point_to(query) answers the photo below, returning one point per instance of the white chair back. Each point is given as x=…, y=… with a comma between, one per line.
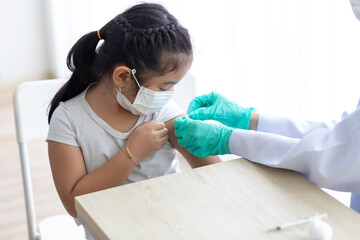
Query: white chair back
x=31, y=102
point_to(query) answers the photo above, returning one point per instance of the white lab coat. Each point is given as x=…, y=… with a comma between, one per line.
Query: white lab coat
x=328, y=154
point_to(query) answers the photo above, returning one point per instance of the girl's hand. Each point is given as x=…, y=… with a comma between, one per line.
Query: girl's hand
x=146, y=139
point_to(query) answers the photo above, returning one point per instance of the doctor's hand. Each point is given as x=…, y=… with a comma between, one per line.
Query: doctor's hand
x=214, y=106
x=202, y=139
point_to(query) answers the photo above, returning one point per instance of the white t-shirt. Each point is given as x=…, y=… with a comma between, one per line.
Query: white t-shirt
x=75, y=123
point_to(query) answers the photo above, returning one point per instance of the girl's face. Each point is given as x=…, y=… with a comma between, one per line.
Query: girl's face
x=169, y=80
x=165, y=82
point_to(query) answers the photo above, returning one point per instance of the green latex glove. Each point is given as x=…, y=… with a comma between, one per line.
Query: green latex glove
x=202, y=138
x=214, y=106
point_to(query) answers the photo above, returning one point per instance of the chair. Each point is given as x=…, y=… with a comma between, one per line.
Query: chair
x=31, y=101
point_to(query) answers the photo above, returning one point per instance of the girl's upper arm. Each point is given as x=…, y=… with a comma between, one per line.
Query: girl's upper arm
x=190, y=158
x=68, y=167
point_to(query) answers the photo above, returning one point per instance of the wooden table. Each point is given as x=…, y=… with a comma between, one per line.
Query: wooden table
x=236, y=199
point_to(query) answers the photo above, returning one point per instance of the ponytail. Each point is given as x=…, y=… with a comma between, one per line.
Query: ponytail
x=80, y=61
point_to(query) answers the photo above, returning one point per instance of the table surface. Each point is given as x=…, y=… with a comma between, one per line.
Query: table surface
x=236, y=199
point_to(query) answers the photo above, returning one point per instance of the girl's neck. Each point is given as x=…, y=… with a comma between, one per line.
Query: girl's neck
x=102, y=99
x=102, y=93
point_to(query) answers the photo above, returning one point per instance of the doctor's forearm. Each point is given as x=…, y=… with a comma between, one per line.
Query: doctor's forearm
x=254, y=119
x=287, y=126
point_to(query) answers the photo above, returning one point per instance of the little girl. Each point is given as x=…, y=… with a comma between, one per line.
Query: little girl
x=112, y=122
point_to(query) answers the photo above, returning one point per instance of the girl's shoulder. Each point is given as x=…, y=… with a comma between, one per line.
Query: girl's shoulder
x=70, y=108
x=169, y=111
x=75, y=102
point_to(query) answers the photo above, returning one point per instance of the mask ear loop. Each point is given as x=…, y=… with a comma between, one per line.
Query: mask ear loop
x=133, y=71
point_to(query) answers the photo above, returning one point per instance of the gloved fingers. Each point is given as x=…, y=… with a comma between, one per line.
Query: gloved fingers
x=205, y=100
x=179, y=124
x=181, y=141
x=201, y=114
x=198, y=152
x=195, y=152
x=181, y=130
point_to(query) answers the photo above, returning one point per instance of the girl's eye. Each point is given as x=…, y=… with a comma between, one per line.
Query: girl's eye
x=162, y=89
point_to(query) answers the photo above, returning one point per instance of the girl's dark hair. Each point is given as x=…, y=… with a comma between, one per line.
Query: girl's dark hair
x=138, y=38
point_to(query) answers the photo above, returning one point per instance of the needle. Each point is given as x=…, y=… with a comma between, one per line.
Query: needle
x=297, y=222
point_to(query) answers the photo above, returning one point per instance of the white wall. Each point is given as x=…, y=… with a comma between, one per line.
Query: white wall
x=36, y=36
x=67, y=21
x=23, y=53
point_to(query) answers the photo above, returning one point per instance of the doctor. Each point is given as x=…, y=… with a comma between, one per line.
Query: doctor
x=328, y=154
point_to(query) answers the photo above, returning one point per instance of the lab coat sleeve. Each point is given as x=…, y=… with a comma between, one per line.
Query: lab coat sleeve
x=288, y=127
x=329, y=157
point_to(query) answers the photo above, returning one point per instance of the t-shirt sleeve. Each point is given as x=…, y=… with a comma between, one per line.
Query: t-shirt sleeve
x=169, y=111
x=61, y=128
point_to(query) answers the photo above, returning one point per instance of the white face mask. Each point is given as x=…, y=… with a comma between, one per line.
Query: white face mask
x=146, y=101
x=355, y=4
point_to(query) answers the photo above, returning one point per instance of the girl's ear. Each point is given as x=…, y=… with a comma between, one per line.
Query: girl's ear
x=121, y=75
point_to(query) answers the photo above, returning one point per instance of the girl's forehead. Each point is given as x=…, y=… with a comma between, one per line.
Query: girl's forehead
x=172, y=77
x=176, y=59
x=177, y=67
